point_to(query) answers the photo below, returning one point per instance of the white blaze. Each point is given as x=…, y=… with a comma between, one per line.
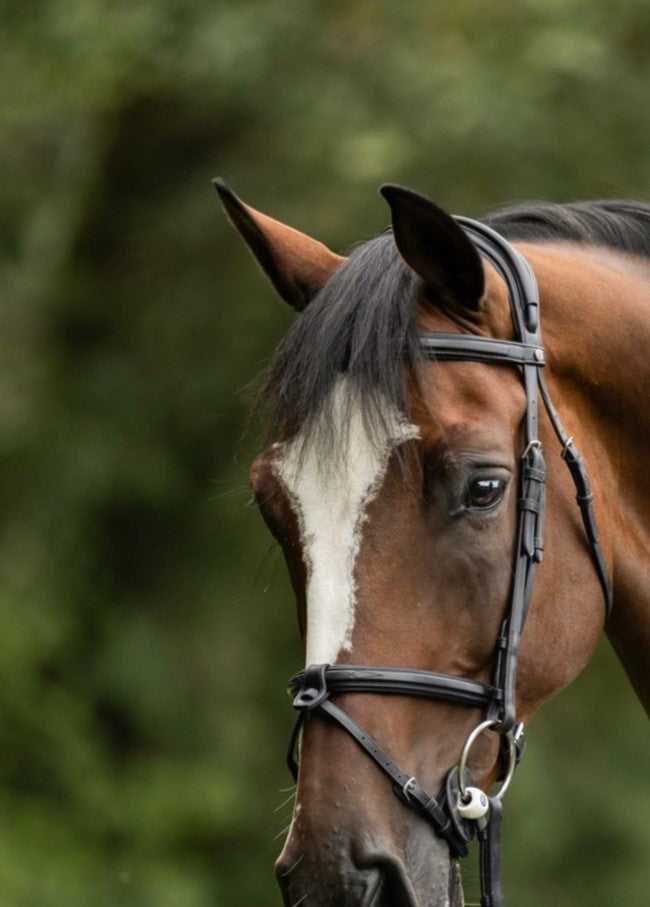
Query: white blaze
x=330, y=492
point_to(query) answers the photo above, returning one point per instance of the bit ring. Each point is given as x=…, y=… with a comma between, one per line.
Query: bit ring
x=512, y=758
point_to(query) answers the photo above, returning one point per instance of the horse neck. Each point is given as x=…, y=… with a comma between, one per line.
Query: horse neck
x=596, y=323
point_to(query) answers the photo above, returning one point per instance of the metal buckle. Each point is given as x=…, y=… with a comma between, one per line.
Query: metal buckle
x=405, y=790
x=529, y=447
x=567, y=444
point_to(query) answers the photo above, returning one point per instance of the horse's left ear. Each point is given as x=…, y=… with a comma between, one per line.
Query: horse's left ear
x=435, y=247
x=296, y=264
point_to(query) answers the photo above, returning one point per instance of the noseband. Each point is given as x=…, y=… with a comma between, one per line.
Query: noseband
x=462, y=810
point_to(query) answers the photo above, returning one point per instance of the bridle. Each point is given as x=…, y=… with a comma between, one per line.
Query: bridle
x=461, y=810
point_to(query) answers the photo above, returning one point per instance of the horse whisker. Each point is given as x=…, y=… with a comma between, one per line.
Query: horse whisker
x=284, y=802
x=242, y=489
x=282, y=831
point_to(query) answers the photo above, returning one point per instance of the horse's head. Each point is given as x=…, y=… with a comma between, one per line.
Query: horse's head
x=392, y=488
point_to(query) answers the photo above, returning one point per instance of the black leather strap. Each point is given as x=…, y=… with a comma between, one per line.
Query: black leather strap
x=528, y=553
x=584, y=495
x=480, y=349
x=405, y=786
x=403, y=682
x=519, y=277
x=489, y=838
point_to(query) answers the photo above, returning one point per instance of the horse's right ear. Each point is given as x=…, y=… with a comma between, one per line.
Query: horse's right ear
x=296, y=264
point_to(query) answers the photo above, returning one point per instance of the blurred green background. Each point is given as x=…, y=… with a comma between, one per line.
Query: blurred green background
x=146, y=625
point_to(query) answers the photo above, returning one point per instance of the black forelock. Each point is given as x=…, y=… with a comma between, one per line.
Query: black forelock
x=361, y=324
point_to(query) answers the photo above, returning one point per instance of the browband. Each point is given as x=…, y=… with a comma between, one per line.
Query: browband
x=480, y=349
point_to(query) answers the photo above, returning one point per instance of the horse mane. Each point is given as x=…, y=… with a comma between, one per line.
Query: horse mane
x=362, y=322
x=620, y=225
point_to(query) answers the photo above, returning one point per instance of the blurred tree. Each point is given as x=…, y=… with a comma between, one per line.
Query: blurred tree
x=147, y=626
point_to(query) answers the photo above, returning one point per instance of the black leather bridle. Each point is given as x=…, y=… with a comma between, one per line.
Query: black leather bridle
x=314, y=686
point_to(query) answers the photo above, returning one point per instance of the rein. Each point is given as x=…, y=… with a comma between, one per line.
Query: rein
x=463, y=810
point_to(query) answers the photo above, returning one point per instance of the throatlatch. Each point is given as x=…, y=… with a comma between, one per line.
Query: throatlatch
x=464, y=810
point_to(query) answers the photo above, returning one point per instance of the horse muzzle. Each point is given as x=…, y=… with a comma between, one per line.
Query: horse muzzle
x=354, y=871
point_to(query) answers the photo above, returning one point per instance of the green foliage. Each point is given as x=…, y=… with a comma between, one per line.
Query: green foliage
x=147, y=625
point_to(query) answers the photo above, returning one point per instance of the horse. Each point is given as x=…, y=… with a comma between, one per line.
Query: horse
x=420, y=426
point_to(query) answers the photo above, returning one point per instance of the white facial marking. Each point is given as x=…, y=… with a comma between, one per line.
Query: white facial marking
x=330, y=498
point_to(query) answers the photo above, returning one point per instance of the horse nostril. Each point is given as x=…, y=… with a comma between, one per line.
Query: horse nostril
x=372, y=894
x=387, y=885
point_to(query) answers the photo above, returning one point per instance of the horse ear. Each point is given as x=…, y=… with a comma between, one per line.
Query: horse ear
x=435, y=247
x=297, y=265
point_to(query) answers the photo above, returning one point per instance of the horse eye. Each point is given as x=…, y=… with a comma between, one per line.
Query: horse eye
x=484, y=493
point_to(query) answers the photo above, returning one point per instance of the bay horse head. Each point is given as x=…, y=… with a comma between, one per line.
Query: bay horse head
x=407, y=488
